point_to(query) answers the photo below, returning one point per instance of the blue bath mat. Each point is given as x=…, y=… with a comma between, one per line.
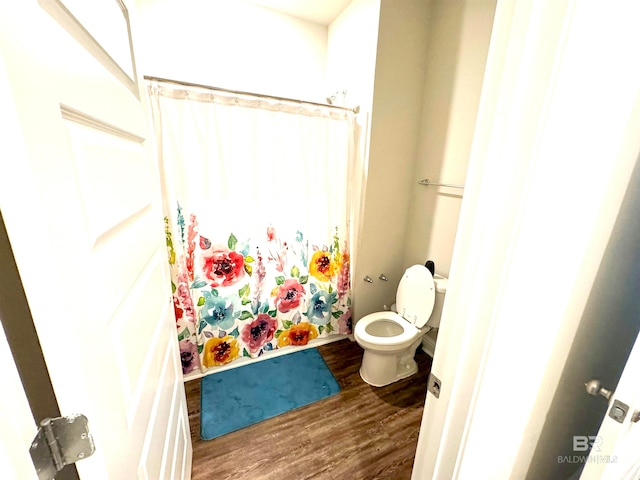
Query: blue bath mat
x=240, y=397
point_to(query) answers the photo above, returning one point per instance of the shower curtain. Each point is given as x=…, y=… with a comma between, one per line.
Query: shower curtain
x=260, y=197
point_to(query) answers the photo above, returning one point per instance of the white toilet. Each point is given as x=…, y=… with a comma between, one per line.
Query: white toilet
x=390, y=339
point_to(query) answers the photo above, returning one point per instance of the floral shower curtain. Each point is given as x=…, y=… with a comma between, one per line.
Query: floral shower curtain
x=259, y=197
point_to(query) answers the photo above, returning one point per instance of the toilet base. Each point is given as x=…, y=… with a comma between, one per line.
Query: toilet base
x=379, y=369
x=402, y=373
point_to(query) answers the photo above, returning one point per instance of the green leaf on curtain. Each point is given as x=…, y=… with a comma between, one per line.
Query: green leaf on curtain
x=184, y=334
x=304, y=279
x=200, y=347
x=348, y=301
x=295, y=271
x=278, y=333
x=198, y=284
x=201, y=326
x=234, y=333
x=320, y=329
x=330, y=289
x=214, y=292
x=169, y=242
x=249, y=259
x=201, y=301
x=245, y=314
x=248, y=269
x=245, y=353
x=244, y=291
x=265, y=307
x=280, y=280
x=173, y=287
x=328, y=327
x=337, y=314
x=232, y=242
x=245, y=301
x=272, y=313
x=287, y=324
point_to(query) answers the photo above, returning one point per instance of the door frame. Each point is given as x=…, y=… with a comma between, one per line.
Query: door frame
x=529, y=173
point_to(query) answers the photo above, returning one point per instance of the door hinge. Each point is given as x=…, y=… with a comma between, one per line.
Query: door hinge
x=60, y=441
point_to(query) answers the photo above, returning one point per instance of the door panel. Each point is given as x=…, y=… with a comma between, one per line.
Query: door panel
x=89, y=239
x=103, y=28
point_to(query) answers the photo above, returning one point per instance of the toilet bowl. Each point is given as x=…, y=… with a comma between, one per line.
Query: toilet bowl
x=390, y=339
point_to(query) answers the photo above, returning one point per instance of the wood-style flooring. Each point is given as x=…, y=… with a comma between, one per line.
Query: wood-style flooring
x=362, y=433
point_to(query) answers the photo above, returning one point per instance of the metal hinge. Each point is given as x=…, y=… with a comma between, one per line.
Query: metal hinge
x=59, y=442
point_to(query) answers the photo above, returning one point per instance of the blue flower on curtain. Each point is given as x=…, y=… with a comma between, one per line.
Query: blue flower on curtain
x=320, y=307
x=219, y=312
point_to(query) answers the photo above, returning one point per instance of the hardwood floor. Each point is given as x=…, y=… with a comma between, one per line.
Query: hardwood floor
x=362, y=433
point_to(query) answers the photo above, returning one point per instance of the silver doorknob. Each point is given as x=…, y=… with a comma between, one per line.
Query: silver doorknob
x=595, y=388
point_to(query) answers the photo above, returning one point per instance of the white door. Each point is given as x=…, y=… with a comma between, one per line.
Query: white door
x=615, y=453
x=80, y=198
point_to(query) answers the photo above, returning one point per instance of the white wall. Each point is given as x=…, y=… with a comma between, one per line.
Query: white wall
x=232, y=44
x=351, y=53
x=397, y=103
x=459, y=33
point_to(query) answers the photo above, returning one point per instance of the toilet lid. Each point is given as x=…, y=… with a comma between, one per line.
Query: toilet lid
x=416, y=295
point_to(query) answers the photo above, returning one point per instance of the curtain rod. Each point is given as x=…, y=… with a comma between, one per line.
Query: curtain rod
x=238, y=92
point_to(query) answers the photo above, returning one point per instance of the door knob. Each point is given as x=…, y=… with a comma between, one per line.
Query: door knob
x=595, y=388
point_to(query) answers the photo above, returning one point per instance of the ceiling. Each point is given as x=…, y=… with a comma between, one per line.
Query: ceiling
x=317, y=11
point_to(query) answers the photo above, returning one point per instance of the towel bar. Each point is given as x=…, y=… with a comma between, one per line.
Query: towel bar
x=426, y=181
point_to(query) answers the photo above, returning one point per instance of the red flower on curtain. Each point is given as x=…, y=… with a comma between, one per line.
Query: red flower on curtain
x=223, y=267
x=289, y=296
x=259, y=332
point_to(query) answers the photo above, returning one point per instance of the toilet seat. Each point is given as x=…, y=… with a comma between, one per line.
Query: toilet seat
x=416, y=295
x=409, y=332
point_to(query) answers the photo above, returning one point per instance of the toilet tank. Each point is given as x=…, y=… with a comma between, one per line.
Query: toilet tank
x=441, y=289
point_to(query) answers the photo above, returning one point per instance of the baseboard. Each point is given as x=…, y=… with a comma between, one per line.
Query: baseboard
x=429, y=345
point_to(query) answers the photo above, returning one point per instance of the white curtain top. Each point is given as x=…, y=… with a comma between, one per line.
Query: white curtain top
x=247, y=100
